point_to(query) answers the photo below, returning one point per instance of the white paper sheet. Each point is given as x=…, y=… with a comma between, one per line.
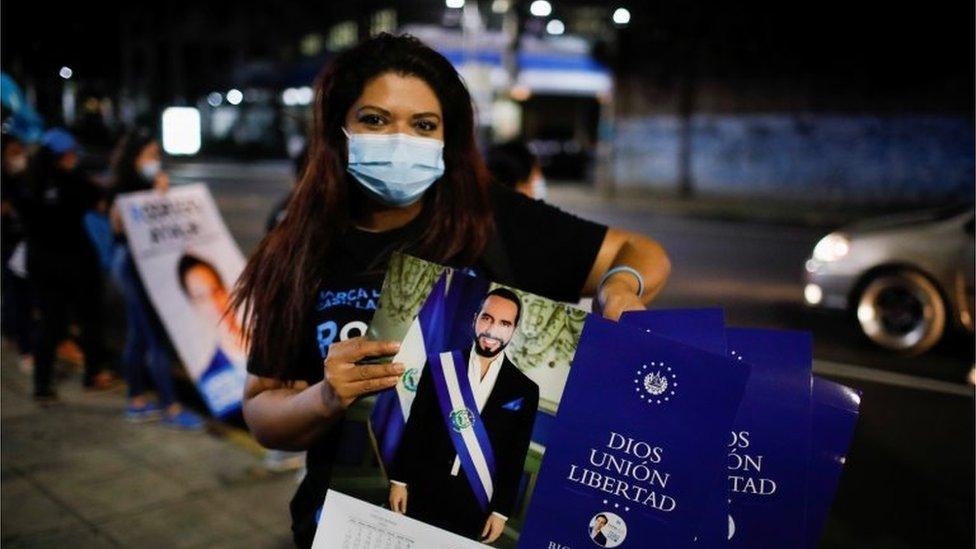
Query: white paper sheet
x=348, y=523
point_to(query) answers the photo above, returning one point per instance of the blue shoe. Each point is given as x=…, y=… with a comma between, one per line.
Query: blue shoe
x=140, y=414
x=185, y=420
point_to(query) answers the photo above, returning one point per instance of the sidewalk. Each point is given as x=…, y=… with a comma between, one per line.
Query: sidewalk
x=78, y=475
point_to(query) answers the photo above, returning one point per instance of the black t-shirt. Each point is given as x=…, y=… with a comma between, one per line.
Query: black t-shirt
x=58, y=240
x=536, y=247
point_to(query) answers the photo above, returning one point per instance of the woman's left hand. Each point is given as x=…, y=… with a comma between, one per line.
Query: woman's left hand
x=161, y=183
x=618, y=293
x=616, y=298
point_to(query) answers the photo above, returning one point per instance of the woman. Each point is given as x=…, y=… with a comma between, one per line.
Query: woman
x=393, y=166
x=137, y=166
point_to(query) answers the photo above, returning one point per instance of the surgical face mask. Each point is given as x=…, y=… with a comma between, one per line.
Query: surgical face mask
x=539, y=188
x=396, y=168
x=149, y=170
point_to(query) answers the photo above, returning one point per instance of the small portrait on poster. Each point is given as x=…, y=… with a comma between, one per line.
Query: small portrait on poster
x=607, y=529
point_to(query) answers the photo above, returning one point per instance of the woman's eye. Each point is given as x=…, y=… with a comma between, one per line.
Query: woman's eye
x=371, y=119
x=426, y=125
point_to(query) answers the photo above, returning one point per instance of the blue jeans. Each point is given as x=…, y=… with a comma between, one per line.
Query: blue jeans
x=145, y=344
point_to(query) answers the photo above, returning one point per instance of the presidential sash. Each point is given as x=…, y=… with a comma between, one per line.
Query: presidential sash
x=460, y=413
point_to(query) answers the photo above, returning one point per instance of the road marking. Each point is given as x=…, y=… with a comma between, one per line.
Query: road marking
x=849, y=371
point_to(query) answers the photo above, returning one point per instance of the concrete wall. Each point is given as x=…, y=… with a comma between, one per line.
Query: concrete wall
x=829, y=158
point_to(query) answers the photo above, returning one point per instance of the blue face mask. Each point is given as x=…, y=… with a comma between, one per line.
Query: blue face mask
x=396, y=168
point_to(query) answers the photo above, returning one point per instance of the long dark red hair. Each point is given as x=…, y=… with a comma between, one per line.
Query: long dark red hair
x=276, y=290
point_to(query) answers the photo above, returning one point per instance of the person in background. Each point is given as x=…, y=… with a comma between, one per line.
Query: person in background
x=62, y=262
x=137, y=166
x=17, y=306
x=513, y=165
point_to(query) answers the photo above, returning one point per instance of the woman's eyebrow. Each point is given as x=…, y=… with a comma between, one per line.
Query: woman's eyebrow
x=426, y=114
x=382, y=111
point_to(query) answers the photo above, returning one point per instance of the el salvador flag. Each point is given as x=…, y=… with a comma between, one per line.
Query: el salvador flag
x=445, y=322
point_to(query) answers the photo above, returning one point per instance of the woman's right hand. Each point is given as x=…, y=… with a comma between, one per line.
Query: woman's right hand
x=345, y=381
x=398, y=498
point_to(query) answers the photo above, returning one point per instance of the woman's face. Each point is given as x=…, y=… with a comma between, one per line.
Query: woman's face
x=149, y=154
x=396, y=103
x=207, y=294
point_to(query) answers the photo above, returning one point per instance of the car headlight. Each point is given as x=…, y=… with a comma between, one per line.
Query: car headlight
x=832, y=247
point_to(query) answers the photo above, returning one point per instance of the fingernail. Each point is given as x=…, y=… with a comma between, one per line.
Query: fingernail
x=399, y=368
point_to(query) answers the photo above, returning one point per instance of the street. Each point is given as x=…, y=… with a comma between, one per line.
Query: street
x=909, y=475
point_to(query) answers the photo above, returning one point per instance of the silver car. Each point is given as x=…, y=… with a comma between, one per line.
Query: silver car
x=906, y=278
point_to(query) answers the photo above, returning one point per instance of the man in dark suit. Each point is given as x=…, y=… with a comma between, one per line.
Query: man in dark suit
x=427, y=466
x=598, y=537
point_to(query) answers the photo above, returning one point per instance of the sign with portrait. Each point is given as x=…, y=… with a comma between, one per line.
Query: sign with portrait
x=188, y=262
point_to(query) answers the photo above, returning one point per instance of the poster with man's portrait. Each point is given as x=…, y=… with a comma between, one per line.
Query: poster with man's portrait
x=457, y=444
x=188, y=262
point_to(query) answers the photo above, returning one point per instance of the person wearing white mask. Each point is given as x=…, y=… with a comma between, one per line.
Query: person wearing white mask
x=393, y=165
x=513, y=165
x=137, y=166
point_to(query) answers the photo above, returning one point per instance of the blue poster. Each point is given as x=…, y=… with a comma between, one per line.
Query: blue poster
x=703, y=329
x=835, y=411
x=770, y=444
x=637, y=442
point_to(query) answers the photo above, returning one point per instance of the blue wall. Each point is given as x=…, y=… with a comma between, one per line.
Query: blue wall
x=831, y=158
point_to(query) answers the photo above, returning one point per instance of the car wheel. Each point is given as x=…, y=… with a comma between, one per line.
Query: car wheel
x=902, y=311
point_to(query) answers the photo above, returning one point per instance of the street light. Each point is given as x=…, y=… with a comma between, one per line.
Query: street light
x=555, y=27
x=234, y=97
x=215, y=99
x=297, y=96
x=304, y=95
x=181, y=130
x=621, y=16
x=65, y=72
x=454, y=3
x=540, y=8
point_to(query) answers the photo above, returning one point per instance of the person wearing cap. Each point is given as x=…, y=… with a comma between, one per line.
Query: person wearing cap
x=63, y=263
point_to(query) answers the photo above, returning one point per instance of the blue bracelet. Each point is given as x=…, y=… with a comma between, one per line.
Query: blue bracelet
x=625, y=269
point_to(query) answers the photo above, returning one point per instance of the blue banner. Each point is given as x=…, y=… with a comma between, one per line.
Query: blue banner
x=638, y=441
